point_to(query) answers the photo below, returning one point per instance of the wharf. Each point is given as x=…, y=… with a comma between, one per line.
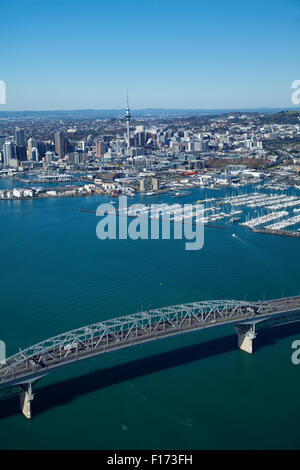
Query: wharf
x=283, y=233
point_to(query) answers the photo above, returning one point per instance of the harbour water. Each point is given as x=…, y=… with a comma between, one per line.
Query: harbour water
x=197, y=391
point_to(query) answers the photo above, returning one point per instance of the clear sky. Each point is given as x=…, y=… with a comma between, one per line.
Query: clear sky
x=71, y=54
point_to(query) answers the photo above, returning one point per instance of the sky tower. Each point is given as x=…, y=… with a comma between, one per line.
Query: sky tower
x=127, y=119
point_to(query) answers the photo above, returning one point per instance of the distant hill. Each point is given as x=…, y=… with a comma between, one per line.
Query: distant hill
x=148, y=112
x=283, y=117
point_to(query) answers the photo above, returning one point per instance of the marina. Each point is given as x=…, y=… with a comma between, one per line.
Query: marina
x=258, y=209
x=248, y=207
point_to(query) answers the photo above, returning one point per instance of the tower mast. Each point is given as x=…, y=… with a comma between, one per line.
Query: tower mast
x=127, y=118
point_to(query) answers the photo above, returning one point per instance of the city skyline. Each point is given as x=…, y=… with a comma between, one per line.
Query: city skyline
x=84, y=56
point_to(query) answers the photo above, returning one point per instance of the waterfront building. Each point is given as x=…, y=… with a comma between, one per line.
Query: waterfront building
x=140, y=136
x=14, y=163
x=155, y=184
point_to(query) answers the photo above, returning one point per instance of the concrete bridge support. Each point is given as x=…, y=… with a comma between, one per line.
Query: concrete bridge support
x=246, y=334
x=26, y=397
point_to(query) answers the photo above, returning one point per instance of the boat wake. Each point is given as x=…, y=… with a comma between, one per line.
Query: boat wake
x=240, y=239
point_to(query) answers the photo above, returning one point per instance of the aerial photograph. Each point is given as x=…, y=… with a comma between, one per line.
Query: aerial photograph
x=150, y=228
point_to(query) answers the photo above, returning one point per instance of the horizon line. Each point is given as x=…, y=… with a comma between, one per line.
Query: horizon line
x=149, y=108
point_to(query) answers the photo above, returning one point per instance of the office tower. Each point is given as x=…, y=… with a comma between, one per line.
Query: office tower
x=31, y=143
x=68, y=147
x=19, y=137
x=21, y=152
x=59, y=144
x=9, y=152
x=100, y=148
x=140, y=136
x=140, y=139
x=42, y=148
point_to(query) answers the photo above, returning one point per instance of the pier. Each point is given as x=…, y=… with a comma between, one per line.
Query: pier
x=283, y=233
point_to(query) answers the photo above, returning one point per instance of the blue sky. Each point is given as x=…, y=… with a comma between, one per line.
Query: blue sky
x=71, y=54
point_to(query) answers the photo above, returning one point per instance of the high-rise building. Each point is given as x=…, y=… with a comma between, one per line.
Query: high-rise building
x=68, y=147
x=59, y=144
x=21, y=152
x=31, y=143
x=42, y=148
x=19, y=137
x=100, y=148
x=9, y=152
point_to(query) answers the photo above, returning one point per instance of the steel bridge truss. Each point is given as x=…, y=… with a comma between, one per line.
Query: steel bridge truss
x=122, y=332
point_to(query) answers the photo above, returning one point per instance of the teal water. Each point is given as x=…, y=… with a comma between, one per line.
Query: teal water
x=197, y=391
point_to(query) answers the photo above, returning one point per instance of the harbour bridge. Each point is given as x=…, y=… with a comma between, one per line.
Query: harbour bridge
x=31, y=364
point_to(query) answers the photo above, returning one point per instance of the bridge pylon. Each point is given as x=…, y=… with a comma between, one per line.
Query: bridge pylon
x=246, y=334
x=26, y=397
